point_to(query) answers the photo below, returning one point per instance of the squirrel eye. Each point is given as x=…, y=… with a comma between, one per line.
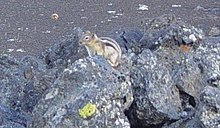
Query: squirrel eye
x=86, y=38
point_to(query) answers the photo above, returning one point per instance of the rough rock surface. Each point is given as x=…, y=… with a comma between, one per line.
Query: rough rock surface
x=169, y=77
x=208, y=54
x=209, y=110
x=64, y=52
x=85, y=81
x=154, y=90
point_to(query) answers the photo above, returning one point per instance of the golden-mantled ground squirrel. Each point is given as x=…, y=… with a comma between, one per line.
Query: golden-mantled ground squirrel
x=104, y=46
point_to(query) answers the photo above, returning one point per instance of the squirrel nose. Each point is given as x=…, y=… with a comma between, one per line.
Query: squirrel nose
x=80, y=43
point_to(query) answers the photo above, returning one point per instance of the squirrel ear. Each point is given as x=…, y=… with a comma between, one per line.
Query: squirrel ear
x=93, y=35
x=88, y=32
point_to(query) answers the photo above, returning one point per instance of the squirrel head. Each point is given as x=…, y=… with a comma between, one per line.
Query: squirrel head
x=87, y=38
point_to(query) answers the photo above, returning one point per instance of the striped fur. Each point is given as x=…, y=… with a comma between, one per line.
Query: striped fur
x=104, y=46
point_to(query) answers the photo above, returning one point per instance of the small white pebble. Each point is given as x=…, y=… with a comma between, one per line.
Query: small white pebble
x=201, y=36
x=10, y=50
x=20, y=50
x=11, y=40
x=99, y=74
x=142, y=7
x=186, y=30
x=83, y=65
x=192, y=37
x=111, y=12
x=80, y=60
x=122, y=121
x=117, y=122
x=47, y=31
x=51, y=94
x=93, y=64
x=176, y=6
x=20, y=29
x=68, y=70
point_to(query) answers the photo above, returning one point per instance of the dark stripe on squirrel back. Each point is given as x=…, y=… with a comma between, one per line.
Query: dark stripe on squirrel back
x=109, y=44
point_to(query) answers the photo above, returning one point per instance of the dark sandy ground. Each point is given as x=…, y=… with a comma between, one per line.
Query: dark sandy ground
x=26, y=27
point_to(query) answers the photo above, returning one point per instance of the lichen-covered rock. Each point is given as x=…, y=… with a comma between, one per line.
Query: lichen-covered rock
x=193, y=122
x=167, y=79
x=185, y=71
x=128, y=39
x=64, y=52
x=12, y=86
x=88, y=93
x=156, y=98
x=208, y=55
x=209, y=110
x=167, y=28
x=10, y=118
x=38, y=79
x=215, y=31
x=11, y=81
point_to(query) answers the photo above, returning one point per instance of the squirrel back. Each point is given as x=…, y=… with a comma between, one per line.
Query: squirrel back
x=111, y=43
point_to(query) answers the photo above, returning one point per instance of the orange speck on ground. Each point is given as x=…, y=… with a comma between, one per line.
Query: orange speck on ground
x=185, y=48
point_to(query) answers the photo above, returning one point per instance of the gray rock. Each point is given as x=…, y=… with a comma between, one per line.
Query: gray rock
x=184, y=70
x=214, y=31
x=156, y=97
x=182, y=123
x=38, y=79
x=209, y=110
x=64, y=52
x=167, y=81
x=89, y=80
x=128, y=39
x=12, y=88
x=208, y=55
x=11, y=81
x=13, y=119
x=167, y=28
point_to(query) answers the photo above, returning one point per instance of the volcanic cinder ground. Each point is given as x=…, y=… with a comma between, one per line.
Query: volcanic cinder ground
x=26, y=27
